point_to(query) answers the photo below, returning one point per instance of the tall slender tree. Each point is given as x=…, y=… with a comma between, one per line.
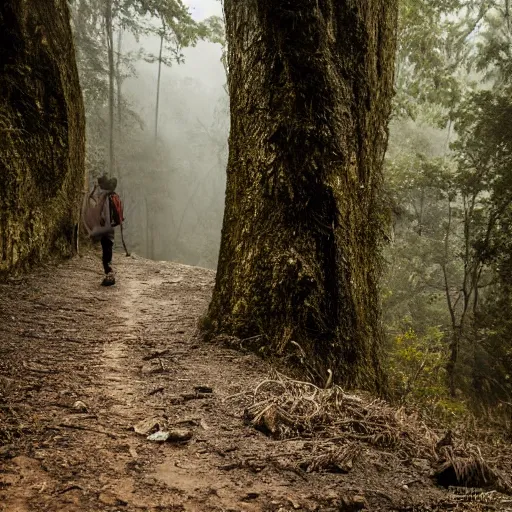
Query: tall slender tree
x=160, y=53
x=310, y=86
x=109, y=29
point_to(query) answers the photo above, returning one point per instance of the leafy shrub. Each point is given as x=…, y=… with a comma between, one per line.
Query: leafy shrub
x=417, y=374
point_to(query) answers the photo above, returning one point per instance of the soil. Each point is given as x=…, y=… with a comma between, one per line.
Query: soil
x=81, y=365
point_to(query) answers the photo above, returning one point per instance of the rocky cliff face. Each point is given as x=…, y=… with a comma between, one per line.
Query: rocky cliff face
x=41, y=134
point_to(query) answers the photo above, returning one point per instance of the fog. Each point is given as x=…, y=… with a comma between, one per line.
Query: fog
x=173, y=188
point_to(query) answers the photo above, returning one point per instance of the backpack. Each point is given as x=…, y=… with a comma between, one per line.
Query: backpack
x=116, y=209
x=92, y=209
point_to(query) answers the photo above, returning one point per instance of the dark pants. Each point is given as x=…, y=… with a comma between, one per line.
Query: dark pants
x=107, y=246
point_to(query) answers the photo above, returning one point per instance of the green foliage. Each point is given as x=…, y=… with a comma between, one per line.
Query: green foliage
x=449, y=224
x=170, y=19
x=418, y=365
x=484, y=148
x=449, y=263
x=493, y=56
x=87, y=18
x=445, y=47
x=177, y=28
x=418, y=187
x=429, y=54
x=417, y=372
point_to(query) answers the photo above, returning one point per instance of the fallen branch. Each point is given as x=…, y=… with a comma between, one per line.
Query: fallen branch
x=88, y=429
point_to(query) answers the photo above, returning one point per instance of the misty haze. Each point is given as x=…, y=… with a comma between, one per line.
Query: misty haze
x=173, y=187
x=255, y=255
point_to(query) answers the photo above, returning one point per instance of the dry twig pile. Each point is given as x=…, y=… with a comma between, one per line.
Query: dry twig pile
x=342, y=424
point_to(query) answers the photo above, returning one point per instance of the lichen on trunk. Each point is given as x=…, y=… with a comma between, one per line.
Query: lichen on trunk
x=41, y=134
x=310, y=87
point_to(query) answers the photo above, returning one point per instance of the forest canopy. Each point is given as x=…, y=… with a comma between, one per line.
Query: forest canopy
x=447, y=292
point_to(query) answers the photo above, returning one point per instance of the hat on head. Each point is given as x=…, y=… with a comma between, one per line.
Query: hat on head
x=107, y=183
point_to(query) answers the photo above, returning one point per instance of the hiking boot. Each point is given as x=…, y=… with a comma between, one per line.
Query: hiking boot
x=109, y=280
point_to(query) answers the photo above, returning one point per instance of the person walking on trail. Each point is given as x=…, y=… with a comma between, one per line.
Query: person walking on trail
x=102, y=213
x=107, y=186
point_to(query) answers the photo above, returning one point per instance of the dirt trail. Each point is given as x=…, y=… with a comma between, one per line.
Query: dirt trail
x=80, y=365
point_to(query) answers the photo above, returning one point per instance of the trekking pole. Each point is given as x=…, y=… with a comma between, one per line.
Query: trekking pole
x=85, y=193
x=122, y=239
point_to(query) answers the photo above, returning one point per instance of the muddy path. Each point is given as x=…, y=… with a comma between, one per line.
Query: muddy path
x=81, y=365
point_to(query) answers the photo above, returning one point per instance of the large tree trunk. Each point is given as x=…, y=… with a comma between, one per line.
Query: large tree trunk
x=310, y=86
x=41, y=133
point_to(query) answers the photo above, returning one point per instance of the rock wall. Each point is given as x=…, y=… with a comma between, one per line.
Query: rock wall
x=42, y=134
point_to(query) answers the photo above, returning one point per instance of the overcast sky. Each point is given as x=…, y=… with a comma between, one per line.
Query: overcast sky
x=201, y=62
x=202, y=65
x=201, y=9
x=204, y=59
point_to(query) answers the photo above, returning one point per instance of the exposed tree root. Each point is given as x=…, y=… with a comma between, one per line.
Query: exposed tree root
x=340, y=423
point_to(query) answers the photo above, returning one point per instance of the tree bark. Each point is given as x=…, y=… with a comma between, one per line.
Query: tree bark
x=42, y=140
x=310, y=86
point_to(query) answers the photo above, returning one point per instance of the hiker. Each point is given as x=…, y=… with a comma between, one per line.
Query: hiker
x=102, y=212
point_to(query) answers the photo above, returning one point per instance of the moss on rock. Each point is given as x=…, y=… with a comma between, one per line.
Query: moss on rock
x=42, y=134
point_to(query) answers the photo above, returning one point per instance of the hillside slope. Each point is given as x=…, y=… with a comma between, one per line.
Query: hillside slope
x=81, y=366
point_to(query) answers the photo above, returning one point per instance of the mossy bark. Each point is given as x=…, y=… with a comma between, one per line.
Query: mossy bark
x=310, y=86
x=42, y=139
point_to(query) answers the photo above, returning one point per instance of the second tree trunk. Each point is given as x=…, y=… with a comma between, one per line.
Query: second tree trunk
x=310, y=86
